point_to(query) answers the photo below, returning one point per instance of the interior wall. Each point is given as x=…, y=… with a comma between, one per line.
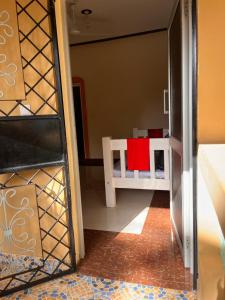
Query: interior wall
x=34, y=100
x=211, y=130
x=50, y=187
x=124, y=82
x=211, y=71
x=211, y=222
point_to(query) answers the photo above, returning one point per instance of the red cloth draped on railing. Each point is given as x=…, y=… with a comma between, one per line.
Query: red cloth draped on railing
x=138, y=154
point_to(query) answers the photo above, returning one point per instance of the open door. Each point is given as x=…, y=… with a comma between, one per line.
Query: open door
x=182, y=102
x=176, y=132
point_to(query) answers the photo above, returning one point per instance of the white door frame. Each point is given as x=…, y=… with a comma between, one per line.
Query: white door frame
x=64, y=32
x=187, y=173
x=187, y=180
x=187, y=185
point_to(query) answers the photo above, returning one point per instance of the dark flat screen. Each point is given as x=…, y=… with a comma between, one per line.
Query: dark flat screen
x=27, y=142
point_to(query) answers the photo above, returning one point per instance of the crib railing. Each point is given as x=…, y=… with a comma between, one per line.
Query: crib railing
x=155, y=144
x=137, y=182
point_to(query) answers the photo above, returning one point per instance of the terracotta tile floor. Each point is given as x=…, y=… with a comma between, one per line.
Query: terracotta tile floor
x=151, y=258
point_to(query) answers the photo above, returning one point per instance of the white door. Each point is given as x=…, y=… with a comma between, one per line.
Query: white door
x=180, y=94
x=176, y=122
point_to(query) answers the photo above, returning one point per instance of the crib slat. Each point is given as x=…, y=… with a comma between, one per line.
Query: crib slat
x=136, y=174
x=108, y=171
x=166, y=164
x=152, y=163
x=123, y=163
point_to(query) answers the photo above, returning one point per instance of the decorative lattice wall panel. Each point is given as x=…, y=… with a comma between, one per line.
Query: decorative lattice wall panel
x=36, y=232
x=38, y=61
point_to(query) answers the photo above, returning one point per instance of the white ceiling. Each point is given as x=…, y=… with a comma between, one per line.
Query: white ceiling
x=112, y=18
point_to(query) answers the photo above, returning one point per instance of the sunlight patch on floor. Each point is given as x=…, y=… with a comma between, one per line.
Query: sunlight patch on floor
x=128, y=216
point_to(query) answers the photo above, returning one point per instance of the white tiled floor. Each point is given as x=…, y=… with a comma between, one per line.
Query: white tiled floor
x=132, y=205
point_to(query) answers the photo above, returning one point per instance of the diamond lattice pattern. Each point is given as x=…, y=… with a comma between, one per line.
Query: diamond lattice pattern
x=53, y=217
x=37, y=59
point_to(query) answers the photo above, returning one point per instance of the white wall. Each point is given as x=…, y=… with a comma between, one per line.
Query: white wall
x=124, y=82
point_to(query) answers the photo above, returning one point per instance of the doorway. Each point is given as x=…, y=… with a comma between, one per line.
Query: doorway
x=79, y=122
x=80, y=110
x=104, y=236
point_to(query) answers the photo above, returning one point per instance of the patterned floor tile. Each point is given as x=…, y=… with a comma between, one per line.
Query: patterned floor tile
x=82, y=287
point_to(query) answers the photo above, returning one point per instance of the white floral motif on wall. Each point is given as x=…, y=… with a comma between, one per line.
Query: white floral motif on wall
x=7, y=73
x=6, y=31
x=14, y=217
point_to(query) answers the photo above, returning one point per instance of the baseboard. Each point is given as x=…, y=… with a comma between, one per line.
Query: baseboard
x=91, y=162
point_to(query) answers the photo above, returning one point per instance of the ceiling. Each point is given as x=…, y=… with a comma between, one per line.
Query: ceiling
x=113, y=18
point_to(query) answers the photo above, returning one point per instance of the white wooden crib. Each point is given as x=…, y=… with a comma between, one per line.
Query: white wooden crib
x=117, y=175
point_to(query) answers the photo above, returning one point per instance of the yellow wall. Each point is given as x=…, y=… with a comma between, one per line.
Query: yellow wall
x=50, y=188
x=211, y=213
x=124, y=81
x=40, y=63
x=42, y=180
x=211, y=68
x=211, y=130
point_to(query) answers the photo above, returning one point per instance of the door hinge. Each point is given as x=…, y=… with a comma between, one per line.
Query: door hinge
x=187, y=243
x=186, y=8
